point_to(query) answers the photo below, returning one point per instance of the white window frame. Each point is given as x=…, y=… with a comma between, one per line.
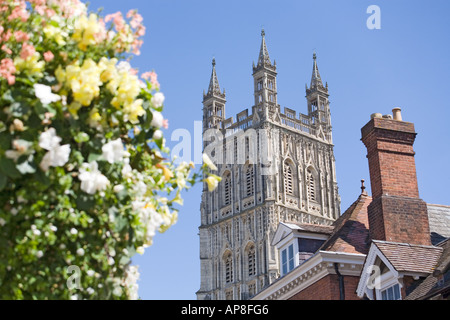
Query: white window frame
x=387, y=281
x=289, y=259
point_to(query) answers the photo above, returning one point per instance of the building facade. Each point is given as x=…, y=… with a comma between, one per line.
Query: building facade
x=276, y=166
x=388, y=246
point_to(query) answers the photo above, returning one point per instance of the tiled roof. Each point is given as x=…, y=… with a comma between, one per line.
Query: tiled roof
x=438, y=281
x=410, y=258
x=351, y=230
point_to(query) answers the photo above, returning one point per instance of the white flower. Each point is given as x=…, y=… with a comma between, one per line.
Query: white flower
x=49, y=140
x=92, y=180
x=74, y=297
x=111, y=261
x=39, y=254
x=57, y=155
x=209, y=162
x=131, y=278
x=158, y=99
x=114, y=151
x=2, y=222
x=20, y=146
x=158, y=119
x=123, y=66
x=140, y=250
x=44, y=93
x=90, y=273
x=212, y=182
x=90, y=290
x=80, y=252
x=157, y=135
x=53, y=228
x=73, y=231
x=118, y=188
x=126, y=171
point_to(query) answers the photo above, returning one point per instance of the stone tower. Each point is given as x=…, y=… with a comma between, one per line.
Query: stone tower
x=276, y=166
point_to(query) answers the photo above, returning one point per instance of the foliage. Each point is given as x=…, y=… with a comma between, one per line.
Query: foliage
x=83, y=177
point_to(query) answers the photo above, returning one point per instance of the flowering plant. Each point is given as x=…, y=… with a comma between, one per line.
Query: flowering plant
x=83, y=178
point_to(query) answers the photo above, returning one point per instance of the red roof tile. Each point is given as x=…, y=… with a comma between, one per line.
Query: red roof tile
x=351, y=230
x=406, y=257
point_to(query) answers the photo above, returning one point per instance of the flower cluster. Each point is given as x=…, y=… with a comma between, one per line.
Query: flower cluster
x=83, y=176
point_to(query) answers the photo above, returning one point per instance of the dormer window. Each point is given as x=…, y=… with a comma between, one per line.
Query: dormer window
x=391, y=293
x=296, y=243
x=287, y=259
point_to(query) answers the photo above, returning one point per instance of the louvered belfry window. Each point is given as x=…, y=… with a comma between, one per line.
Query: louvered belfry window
x=288, y=179
x=227, y=189
x=251, y=261
x=311, y=186
x=249, y=181
x=228, y=268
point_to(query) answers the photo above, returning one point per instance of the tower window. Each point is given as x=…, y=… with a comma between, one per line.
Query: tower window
x=227, y=189
x=249, y=181
x=251, y=261
x=228, y=268
x=288, y=179
x=311, y=186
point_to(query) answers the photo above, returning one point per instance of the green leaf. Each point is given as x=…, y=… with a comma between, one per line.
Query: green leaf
x=85, y=202
x=82, y=137
x=3, y=180
x=94, y=157
x=8, y=167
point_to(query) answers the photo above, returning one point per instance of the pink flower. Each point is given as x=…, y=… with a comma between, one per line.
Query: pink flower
x=166, y=124
x=6, y=49
x=7, y=70
x=7, y=35
x=117, y=19
x=27, y=51
x=48, y=56
x=19, y=12
x=21, y=36
x=153, y=78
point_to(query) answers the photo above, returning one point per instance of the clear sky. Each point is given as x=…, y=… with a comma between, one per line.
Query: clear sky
x=404, y=64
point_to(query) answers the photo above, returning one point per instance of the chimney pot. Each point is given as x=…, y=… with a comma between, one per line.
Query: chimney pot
x=397, y=112
x=376, y=115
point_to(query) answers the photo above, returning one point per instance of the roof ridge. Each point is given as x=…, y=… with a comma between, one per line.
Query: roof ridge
x=407, y=244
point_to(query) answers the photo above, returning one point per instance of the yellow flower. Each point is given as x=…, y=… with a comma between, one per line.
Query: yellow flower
x=213, y=182
x=73, y=108
x=32, y=65
x=84, y=82
x=167, y=173
x=55, y=33
x=87, y=31
x=134, y=110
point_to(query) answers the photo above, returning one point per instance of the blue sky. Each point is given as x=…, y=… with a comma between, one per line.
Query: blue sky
x=404, y=64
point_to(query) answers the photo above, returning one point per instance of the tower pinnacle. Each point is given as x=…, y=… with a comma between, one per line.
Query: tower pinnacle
x=263, y=52
x=214, y=82
x=316, y=80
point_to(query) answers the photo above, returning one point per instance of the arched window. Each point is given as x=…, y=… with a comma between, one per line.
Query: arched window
x=251, y=257
x=249, y=181
x=227, y=189
x=228, y=260
x=311, y=185
x=288, y=179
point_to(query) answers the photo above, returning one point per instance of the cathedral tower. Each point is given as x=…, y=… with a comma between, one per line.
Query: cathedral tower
x=239, y=219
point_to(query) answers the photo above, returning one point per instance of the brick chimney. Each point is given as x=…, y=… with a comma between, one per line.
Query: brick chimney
x=396, y=213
